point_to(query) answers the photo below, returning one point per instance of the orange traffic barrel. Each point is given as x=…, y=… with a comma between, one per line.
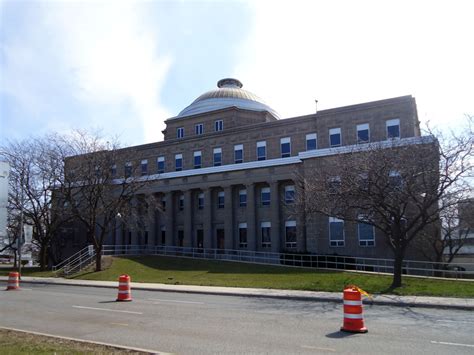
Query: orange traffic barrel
x=13, y=281
x=124, y=293
x=353, y=319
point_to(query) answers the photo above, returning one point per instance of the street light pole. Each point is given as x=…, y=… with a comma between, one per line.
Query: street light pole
x=19, y=240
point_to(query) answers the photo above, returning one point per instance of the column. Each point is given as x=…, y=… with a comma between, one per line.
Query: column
x=252, y=234
x=229, y=218
x=300, y=225
x=188, y=219
x=275, y=216
x=134, y=221
x=151, y=220
x=207, y=220
x=169, y=216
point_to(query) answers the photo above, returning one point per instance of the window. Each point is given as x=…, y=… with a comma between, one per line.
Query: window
x=285, y=147
x=180, y=238
x=290, y=194
x=144, y=167
x=395, y=179
x=265, y=232
x=363, y=134
x=160, y=162
x=334, y=184
x=336, y=232
x=200, y=201
x=238, y=153
x=197, y=160
x=243, y=235
x=217, y=156
x=199, y=128
x=366, y=232
x=178, y=159
x=180, y=132
x=181, y=202
x=311, y=141
x=163, y=203
x=335, y=137
x=220, y=199
x=218, y=125
x=290, y=234
x=113, y=170
x=128, y=169
x=163, y=235
x=242, y=198
x=265, y=196
x=261, y=150
x=393, y=129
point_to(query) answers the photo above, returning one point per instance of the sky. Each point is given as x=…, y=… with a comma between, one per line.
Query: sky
x=124, y=67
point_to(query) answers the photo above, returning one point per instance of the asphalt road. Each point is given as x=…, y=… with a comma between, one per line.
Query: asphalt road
x=204, y=324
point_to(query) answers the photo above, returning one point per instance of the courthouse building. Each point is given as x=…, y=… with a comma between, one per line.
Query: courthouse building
x=225, y=173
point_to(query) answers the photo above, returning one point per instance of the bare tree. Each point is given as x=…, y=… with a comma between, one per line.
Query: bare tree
x=397, y=186
x=92, y=193
x=36, y=166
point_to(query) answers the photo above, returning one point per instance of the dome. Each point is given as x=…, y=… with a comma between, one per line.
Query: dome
x=228, y=94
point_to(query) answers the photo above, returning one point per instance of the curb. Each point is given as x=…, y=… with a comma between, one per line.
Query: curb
x=114, y=346
x=307, y=298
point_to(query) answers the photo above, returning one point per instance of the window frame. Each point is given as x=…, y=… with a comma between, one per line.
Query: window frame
x=221, y=199
x=218, y=125
x=178, y=157
x=365, y=243
x=199, y=129
x=265, y=191
x=266, y=227
x=290, y=244
x=242, y=192
x=144, y=167
x=262, y=144
x=160, y=159
x=200, y=201
x=237, y=148
x=241, y=227
x=289, y=189
x=363, y=127
x=336, y=243
x=310, y=137
x=333, y=132
x=179, y=132
x=197, y=154
x=285, y=142
x=392, y=123
x=217, y=152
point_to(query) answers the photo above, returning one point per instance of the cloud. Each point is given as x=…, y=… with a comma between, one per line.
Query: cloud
x=98, y=57
x=347, y=52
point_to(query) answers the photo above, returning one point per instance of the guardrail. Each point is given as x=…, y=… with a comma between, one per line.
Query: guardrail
x=333, y=262
x=76, y=262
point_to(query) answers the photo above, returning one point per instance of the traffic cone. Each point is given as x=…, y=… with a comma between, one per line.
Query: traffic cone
x=13, y=281
x=353, y=319
x=124, y=292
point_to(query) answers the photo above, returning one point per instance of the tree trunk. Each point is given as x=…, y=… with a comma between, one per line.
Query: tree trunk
x=98, y=260
x=397, y=270
x=43, y=257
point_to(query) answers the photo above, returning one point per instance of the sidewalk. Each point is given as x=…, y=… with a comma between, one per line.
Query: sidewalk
x=390, y=300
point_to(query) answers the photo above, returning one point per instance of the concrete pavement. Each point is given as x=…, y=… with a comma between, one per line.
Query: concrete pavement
x=390, y=300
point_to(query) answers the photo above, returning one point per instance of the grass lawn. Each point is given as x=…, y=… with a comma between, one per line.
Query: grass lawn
x=220, y=273
x=12, y=342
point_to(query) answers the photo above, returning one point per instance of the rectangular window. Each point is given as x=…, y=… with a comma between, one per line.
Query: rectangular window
x=311, y=141
x=334, y=184
x=163, y=235
x=180, y=238
x=265, y=233
x=181, y=202
x=160, y=163
x=197, y=160
x=336, y=232
x=217, y=156
x=285, y=147
x=163, y=203
x=238, y=153
x=261, y=150
x=393, y=129
x=366, y=232
x=363, y=133
x=180, y=132
x=289, y=194
x=201, y=201
x=218, y=125
x=395, y=179
x=243, y=235
x=144, y=167
x=265, y=196
x=128, y=169
x=199, y=128
x=335, y=137
x=242, y=198
x=113, y=170
x=290, y=234
x=178, y=159
x=220, y=199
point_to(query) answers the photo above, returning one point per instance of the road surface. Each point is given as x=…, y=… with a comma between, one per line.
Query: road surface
x=204, y=324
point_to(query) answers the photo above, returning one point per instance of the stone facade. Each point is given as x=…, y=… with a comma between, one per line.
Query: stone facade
x=204, y=207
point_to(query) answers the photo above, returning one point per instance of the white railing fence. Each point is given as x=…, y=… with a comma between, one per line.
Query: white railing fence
x=76, y=263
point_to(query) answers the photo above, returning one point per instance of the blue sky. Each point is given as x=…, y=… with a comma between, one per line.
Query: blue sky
x=126, y=66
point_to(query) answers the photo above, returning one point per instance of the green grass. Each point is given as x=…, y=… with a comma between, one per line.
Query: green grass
x=13, y=342
x=184, y=271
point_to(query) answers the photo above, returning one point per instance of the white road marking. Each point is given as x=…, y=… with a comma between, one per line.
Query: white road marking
x=317, y=348
x=162, y=300
x=453, y=344
x=106, y=310
x=121, y=324
x=455, y=321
